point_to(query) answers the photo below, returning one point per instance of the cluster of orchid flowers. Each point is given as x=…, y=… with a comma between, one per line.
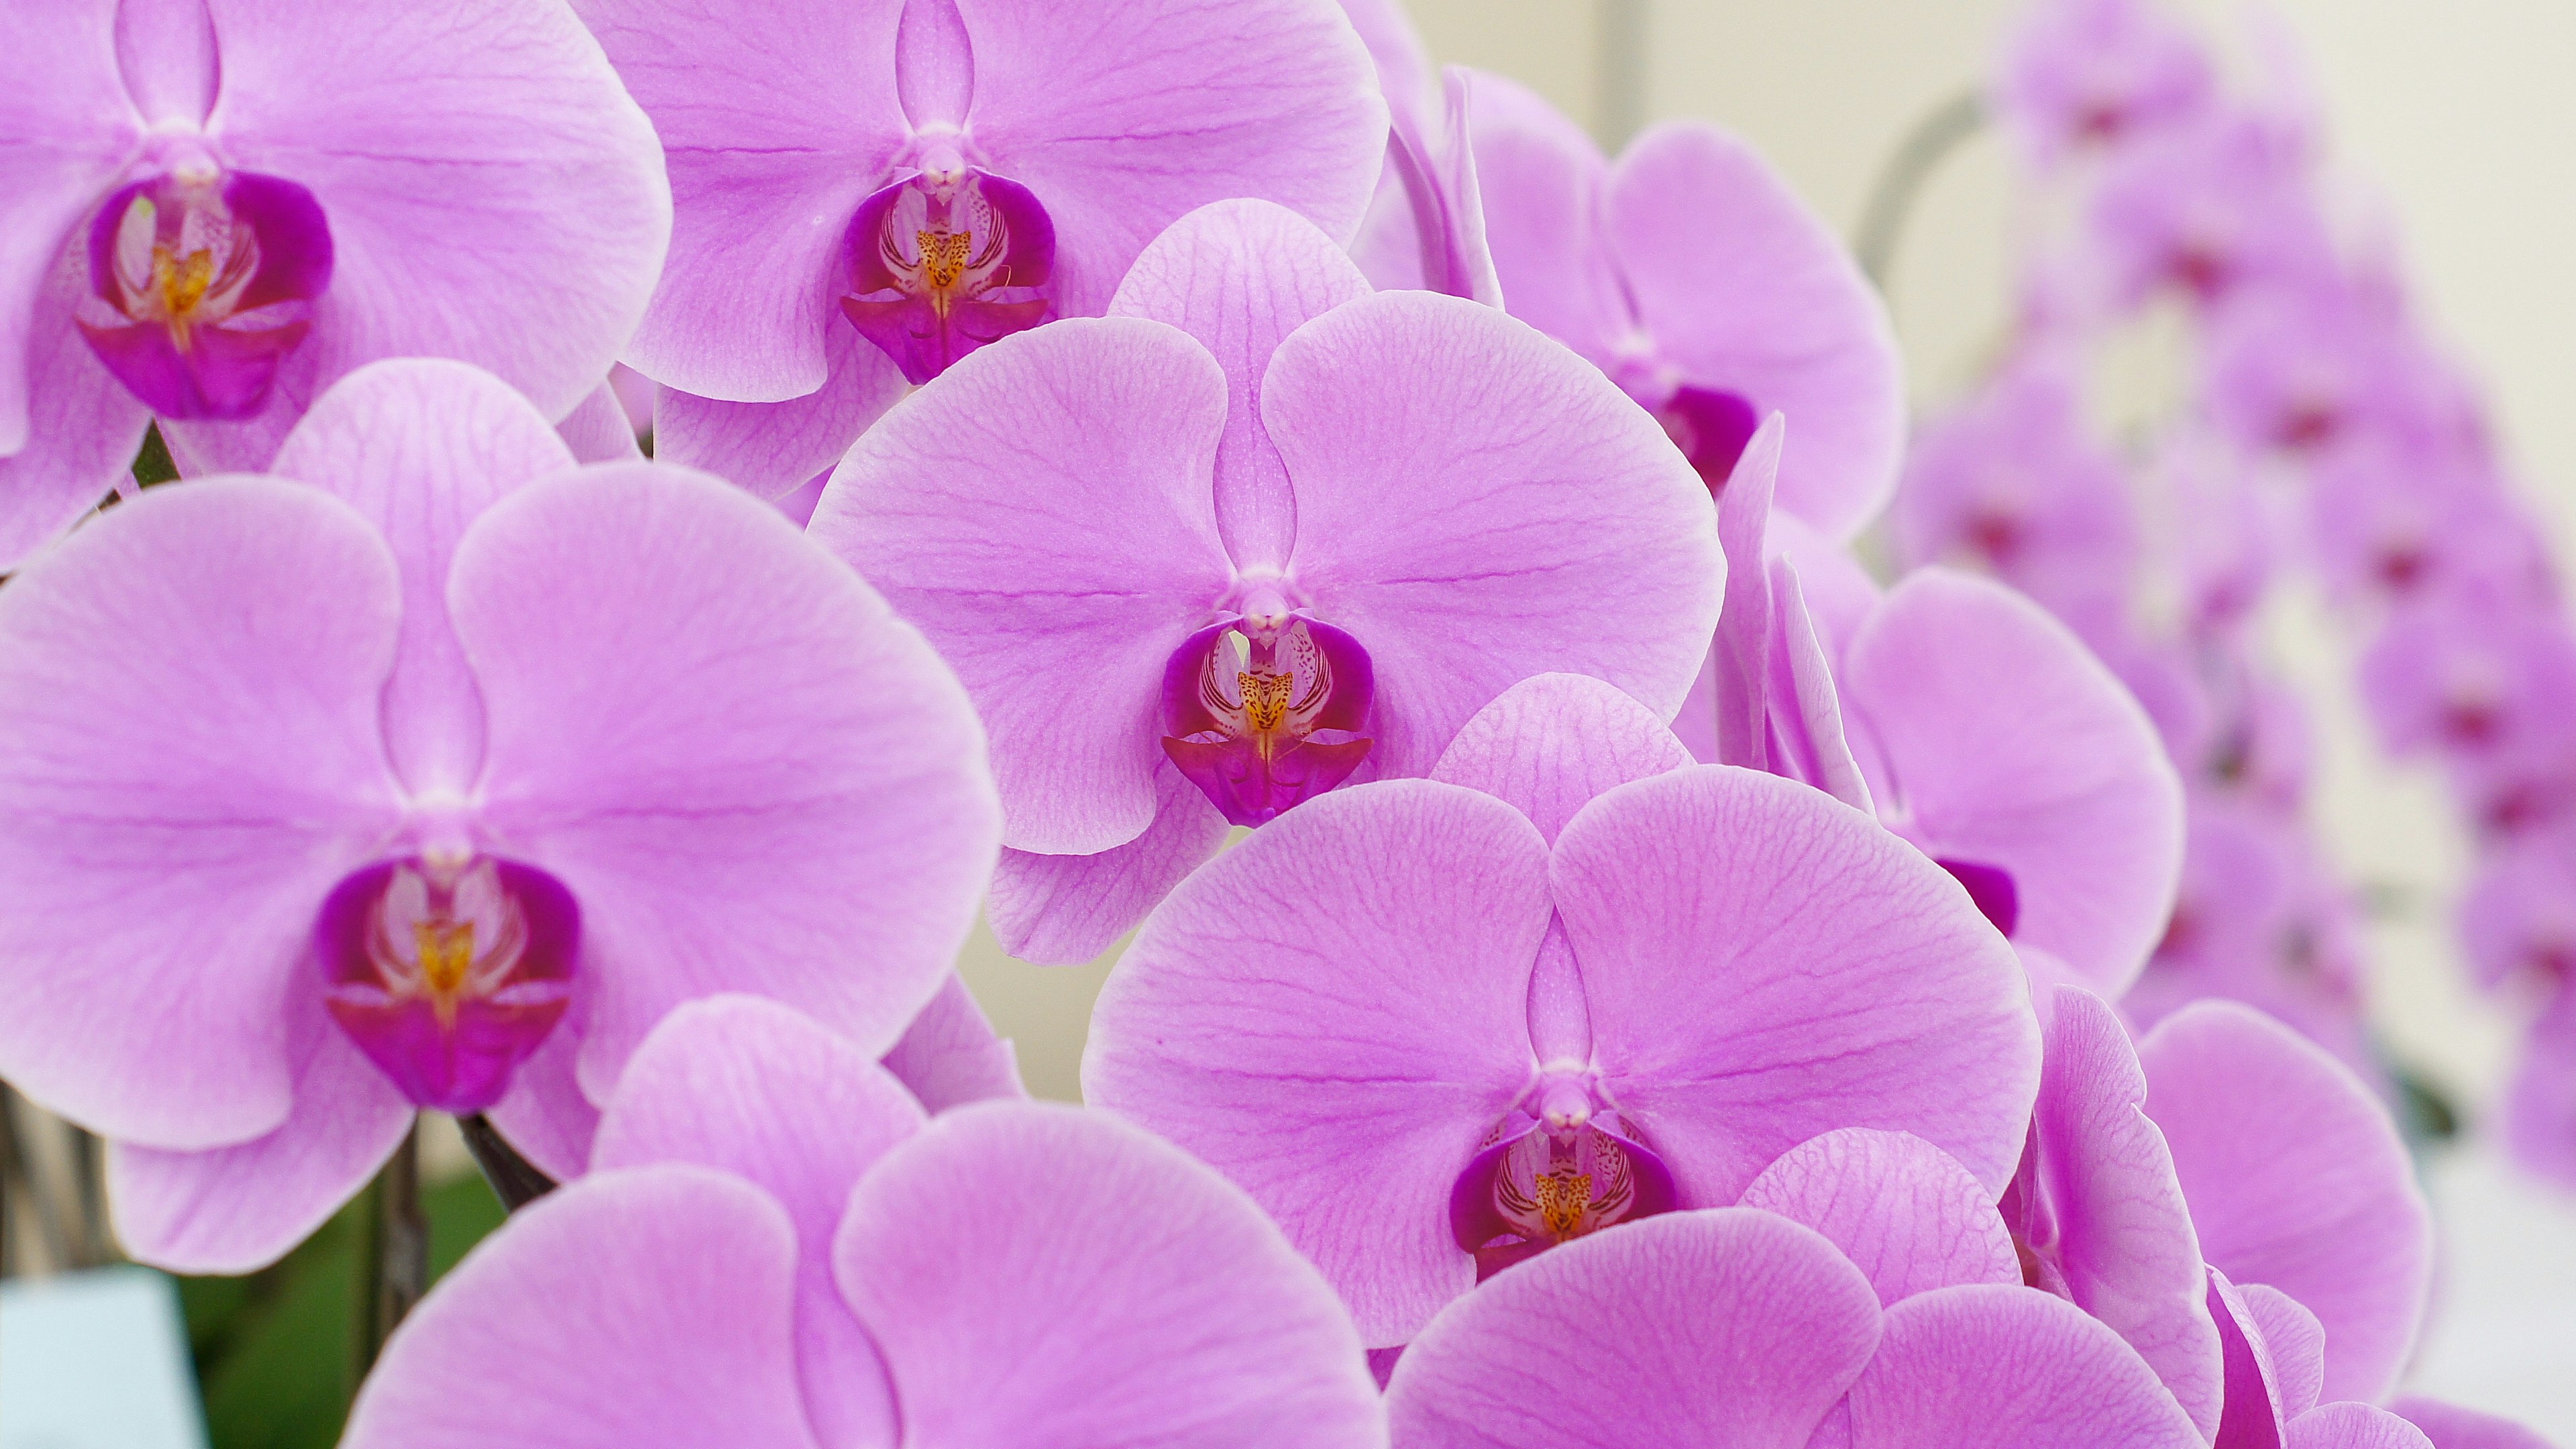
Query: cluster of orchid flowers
x=2317, y=433
x=1672, y=988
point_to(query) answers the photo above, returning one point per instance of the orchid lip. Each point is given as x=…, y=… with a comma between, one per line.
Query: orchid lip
x=1262, y=713
x=201, y=282
x=1559, y=1166
x=946, y=260
x=448, y=972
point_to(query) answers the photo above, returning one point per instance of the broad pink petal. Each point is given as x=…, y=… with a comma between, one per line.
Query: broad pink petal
x=950, y=1055
x=778, y=123
x=2009, y=1368
x=416, y=128
x=774, y=448
x=2004, y=742
x=1547, y=524
x=1764, y=964
x=66, y=126
x=647, y=1309
x=420, y=447
x=2120, y=1232
x=1239, y=276
x=2451, y=1427
x=239, y=1209
x=1036, y=1274
x=2297, y=1179
x=82, y=425
x=1553, y=742
x=2350, y=1425
x=750, y=1088
x=1723, y=1329
x=1341, y=999
x=1123, y=119
x=1064, y=910
x=546, y=1115
x=2295, y=1342
x=598, y=429
x=1044, y=516
x=1906, y=1214
x=751, y=776
x=189, y=760
x=1747, y=291
x=1543, y=179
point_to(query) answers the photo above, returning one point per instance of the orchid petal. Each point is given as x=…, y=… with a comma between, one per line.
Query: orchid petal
x=1551, y=743
x=1906, y=1214
x=1064, y=910
x=2008, y=1368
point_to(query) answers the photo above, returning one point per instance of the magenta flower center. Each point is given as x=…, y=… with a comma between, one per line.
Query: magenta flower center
x=448, y=975
x=1559, y=1167
x=945, y=261
x=200, y=285
x=1262, y=713
x=1711, y=427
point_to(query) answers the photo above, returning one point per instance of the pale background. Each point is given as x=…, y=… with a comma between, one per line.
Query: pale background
x=2460, y=116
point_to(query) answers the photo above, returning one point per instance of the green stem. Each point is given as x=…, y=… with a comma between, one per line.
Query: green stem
x=393, y=1256
x=1941, y=132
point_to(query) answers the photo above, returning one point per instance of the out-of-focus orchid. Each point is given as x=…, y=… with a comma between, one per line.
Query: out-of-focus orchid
x=1692, y=275
x=773, y=1247
x=2452, y=1427
x=1738, y=1327
x=1626, y=985
x=868, y=193
x=432, y=772
x=2468, y=673
x=2396, y=520
x=2207, y=212
x=2015, y=485
x=219, y=207
x=1258, y=533
x=2316, y=362
x=2093, y=75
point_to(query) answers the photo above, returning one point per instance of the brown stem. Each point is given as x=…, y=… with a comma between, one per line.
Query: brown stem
x=515, y=1180
x=393, y=1257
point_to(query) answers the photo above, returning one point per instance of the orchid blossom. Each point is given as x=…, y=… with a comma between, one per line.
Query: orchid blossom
x=773, y=1247
x=217, y=208
x=1258, y=533
x=1571, y=981
x=430, y=772
x=867, y=193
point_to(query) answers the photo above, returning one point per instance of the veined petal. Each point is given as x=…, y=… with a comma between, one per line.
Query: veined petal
x=1043, y=514
x=951, y=1056
x=1551, y=743
x=774, y=448
x=414, y=128
x=66, y=126
x=2351, y=1425
x=420, y=447
x=1765, y=964
x=1125, y=118
x=749, y=773
x=2297, y=1179
x=2002, y=741
x=748, y=1087
x=1240, y=276
x=2009, y=1368
x=645, y=1309
x=189, y=759
x=1064, y=910
x=1542, y=180
x=972, y=1248
x=1726, y=1327
x=1333, y=1014
x=238, y=1209
x=1542, y=522
x=1905, y=1213
x=1747, y=291
x=82, y=425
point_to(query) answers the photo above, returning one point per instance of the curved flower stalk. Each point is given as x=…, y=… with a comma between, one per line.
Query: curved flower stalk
x=1737, y=1326
x=220, y=207
x=431, y=772
x=868, y=193
x=774, y=1247
x=1624, y=986
x=1259, y=533
x=1690, y=274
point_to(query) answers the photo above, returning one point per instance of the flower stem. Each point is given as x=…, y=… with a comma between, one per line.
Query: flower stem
x=1939, y=133
x=515, y=1180
x=393, y=1257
